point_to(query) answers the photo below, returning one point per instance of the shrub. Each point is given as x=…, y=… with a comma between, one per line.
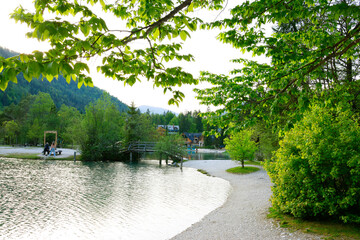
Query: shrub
x=316, y=170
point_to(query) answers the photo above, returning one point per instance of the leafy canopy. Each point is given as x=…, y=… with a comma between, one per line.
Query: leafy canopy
x=77, y=33
x=240, y=146
x=312, y=52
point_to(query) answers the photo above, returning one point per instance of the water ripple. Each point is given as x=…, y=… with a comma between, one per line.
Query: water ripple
x=63, y=200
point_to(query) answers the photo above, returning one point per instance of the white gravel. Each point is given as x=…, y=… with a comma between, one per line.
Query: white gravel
x=243, y=215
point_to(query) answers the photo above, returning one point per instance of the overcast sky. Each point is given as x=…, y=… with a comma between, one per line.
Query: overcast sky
x=210, y=55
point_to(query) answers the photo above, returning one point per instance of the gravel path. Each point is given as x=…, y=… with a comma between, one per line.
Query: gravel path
x=243, y=216
x=66, y=152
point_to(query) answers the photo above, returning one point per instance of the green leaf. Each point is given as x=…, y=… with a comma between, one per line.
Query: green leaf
x=38, y=56
x=85, y=29
x=156, y=33
x=131, y=80
x=191, y=7
x=183, y=35
x=3, y=83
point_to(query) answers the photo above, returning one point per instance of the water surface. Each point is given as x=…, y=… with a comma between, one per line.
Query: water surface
x=66, y=200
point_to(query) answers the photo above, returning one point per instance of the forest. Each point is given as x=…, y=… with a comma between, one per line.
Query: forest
x=24, y=123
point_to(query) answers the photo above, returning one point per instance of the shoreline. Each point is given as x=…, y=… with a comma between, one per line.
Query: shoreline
x=66, y=152
x=244, y=213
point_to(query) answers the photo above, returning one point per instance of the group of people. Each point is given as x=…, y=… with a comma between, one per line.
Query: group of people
x=49, y=149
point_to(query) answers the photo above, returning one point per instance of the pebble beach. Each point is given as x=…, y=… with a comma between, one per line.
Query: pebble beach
x=244, y=214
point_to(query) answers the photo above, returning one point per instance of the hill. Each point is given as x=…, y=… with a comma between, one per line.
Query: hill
x=60, y=91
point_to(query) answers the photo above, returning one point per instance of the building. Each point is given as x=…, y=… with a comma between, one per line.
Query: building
x=194, y=139
x=170, y=129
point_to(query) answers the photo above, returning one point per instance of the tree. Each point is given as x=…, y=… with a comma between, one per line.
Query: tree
x=11, y=129
x=198, y=121
x=171, y=146
x=138, y=127
x=70, y=125
x=43, y=109
x=312, y=55
x=168, y=117
x=73, y=42
x=20, y=114
x=174, y=121
x=316, y=170
x=35, y=132
x=103, y=130
x=240, y=146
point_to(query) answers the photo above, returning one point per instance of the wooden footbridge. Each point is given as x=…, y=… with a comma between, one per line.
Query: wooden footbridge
x=143, y=147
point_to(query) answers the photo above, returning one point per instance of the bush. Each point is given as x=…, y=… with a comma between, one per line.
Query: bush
x=316, y=170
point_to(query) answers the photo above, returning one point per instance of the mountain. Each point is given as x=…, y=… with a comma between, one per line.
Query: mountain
x=155, y=110
x=60, y=91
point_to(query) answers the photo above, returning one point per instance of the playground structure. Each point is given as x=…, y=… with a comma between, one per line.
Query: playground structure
x=53, y=132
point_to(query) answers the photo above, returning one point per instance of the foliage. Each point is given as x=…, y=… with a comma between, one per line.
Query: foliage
x=171, y=146
x=35, y=132
x=11, y=128
x=138, y=127
x=313, y=52
x=60, y=91
x=102, y=126
x=316, y=171
x=243, y=170
x=267, y=141
x=70, y=124
x=73, y=42
x=240, y=146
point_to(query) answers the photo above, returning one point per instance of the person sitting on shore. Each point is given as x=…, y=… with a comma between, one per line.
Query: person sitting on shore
x=52, y=148
x=46, y=149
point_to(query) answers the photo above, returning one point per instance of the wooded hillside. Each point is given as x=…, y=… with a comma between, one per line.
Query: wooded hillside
x=60, y=91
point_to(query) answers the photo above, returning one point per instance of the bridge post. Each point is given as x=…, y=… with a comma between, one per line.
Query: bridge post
x=130, y=156
x=167, y=159
x=160, y=159
x=181, y=165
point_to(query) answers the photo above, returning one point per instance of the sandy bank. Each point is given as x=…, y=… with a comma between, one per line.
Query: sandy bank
x=243, y=216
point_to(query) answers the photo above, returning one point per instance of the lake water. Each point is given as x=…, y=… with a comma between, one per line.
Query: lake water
x=67, y=200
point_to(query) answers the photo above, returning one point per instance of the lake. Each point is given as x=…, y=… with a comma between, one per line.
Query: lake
x=66, y=200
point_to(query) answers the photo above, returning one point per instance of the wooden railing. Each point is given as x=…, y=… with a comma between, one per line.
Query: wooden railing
x=142, y=146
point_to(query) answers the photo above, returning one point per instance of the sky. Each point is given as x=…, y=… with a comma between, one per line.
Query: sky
x=210, y=55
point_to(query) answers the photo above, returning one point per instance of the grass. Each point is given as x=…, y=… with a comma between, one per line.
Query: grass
x=328, y=229
x=253, y=162
x=35, y=156
x=243, y=170
x=204, y=172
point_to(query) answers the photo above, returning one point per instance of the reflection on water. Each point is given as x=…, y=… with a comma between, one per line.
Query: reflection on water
x=214, y=155
x=66, y=200
x=197, y=155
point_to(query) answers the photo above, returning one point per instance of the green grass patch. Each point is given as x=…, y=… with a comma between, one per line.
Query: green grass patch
x=327, y=229
x=35, y=156
x=252, y=162
x=243, y=170
x=21, y=155
x=204, y=172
